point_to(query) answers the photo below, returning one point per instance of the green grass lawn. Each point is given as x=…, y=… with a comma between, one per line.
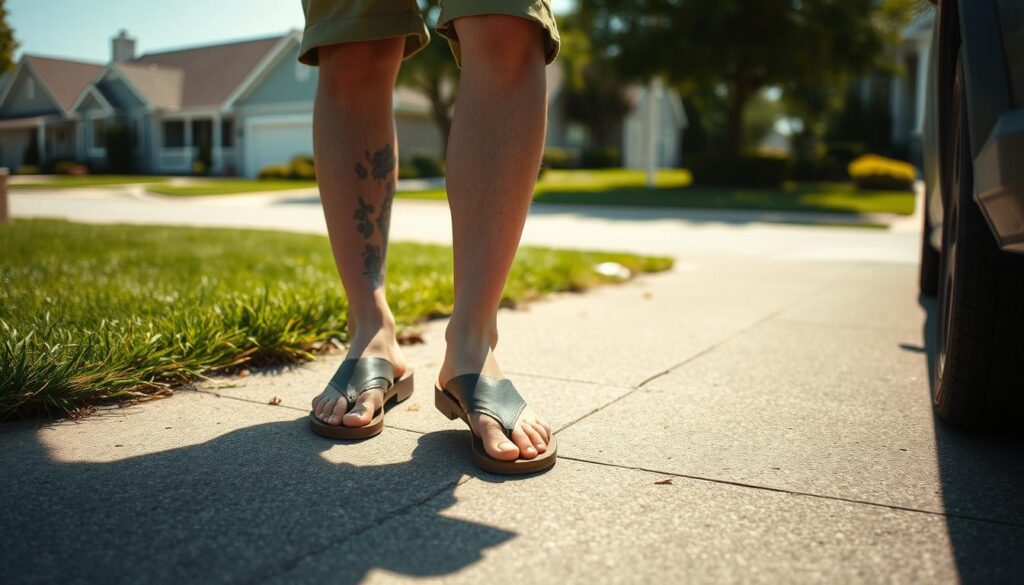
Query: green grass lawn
x=73, y=181
x=98, y=313
x=674, y=190
x=229, y=186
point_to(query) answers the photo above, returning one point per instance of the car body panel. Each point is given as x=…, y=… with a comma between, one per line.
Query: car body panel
x=988, y=29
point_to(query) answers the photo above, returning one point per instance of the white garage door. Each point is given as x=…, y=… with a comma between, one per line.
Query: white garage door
x=274, y=140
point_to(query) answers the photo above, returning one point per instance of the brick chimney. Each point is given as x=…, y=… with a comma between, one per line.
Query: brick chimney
x=122, y=47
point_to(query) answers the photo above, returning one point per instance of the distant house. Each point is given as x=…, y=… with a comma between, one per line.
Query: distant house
x=241, y=105
x=237, y=107
x=670, y=123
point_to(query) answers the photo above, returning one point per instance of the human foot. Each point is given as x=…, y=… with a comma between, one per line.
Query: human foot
x=330, y=406
x=530, y=435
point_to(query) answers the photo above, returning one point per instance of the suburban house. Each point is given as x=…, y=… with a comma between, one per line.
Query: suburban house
x=241, y=105
x=236, y=107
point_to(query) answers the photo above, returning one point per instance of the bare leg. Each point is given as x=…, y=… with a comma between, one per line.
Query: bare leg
x=355, y=150
x=493, y=157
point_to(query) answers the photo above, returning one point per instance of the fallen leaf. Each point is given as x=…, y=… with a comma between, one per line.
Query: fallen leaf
x=647, y=295
x=666, y=481
x=274, y=401
x=413, y=408
x=243, y=373
x=410, y=338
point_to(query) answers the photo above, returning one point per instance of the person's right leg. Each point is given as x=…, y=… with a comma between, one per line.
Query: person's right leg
x=355, y=149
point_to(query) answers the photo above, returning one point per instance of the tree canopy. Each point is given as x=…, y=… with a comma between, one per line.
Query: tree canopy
x=8, y=44
x=741, y=46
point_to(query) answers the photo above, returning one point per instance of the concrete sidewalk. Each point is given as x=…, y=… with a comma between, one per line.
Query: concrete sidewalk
x=736, y=420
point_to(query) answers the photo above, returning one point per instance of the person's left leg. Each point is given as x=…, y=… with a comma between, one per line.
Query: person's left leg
x=494, y=155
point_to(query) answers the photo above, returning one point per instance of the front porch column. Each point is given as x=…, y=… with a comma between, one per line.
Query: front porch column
x=190, y=154
x=41, y=141
x=921, y=90
x=215, y=149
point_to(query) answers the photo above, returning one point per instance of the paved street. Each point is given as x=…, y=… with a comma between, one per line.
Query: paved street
x=761, y=413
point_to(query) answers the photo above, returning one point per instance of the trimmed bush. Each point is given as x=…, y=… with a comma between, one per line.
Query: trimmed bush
x=601, y=158
x=27, y=170
x=743, y=171
x=407, y=171
x=427, y=166
x=844, y=152
x=879, y=173
x=69, y=167
x=275, y=172
x=818, y=169
x=557, y=158
x=301, y=167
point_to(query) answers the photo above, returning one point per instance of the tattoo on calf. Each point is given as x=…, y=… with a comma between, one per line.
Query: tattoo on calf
x=382, y=162
x=382, y=166
x=362, y=215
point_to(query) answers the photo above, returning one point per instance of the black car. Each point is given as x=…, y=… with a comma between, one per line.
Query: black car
x=972, y=252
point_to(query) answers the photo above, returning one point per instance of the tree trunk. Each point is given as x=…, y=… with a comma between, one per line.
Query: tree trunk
x=738, y=98
x=440, y=111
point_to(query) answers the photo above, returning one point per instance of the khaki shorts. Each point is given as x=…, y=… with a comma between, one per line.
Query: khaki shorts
x=329, y=22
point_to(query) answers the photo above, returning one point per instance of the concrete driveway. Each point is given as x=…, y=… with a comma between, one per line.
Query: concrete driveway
x=759, y=414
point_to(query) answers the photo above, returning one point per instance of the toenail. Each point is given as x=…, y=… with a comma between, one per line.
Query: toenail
x=506, y=446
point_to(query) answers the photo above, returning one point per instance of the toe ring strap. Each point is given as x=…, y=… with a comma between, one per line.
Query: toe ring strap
x=355, y=376
x=486, y=395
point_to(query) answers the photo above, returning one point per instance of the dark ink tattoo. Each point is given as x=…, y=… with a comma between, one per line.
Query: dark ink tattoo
x=362, y=215
x=382, y=162
x=381, y=167
x=373, y=262
x=384, y=219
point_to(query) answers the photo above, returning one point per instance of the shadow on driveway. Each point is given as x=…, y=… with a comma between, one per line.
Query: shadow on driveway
x=255, y=504
x=982, y=477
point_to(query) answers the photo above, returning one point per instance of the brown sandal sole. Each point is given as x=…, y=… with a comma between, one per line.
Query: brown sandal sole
x=450, y=407
x=400, y=391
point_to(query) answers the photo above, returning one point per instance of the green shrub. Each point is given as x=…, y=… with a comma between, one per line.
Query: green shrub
x=407, y=171
x=69, y=167
x=275, y=172
x=27, y=170
x=742, y=171
x=879, y=173
x=427, y=166
x=844, y=152
x=601, y=158
x=823, y=168
x=302, y=167
x=557, y=158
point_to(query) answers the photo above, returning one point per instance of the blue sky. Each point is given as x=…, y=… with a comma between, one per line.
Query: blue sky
x=81, y=29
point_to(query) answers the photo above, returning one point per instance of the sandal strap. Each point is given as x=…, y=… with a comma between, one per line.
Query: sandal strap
x=357, y=375
x=496, y=398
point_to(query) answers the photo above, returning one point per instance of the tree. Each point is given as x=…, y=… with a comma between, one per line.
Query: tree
x=433, y=72
x=740, y=46
x=594, y=93
x=7, y=42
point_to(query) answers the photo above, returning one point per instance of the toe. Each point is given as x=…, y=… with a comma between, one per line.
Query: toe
x=495, y=442
x=326, y=406
x=533, y=431
x=522, y=440
x=334, y=417
x=362, y=411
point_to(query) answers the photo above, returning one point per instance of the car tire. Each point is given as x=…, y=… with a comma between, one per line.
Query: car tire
x=979, y=378
x=928, y=270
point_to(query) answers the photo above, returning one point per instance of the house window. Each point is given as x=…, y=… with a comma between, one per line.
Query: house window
x=30, y=88
x=174, y=133
x=302, y=72
x=227, y=133
x=98, y=137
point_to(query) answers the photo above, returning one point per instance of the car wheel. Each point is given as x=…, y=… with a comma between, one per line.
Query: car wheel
x=928, y=271
x=979, y=379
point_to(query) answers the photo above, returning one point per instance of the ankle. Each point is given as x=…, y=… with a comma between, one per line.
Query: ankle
x=368, y=325
x=470, y=339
